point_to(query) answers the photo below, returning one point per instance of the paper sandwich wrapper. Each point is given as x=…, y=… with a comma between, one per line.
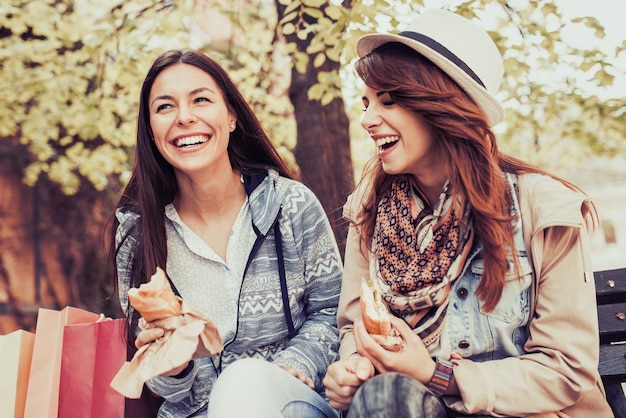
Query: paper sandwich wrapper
x=188, y=335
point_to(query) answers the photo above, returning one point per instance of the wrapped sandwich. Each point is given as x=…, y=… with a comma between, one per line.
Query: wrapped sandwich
x=377, y=318
x=187, y=335
x=155, y=299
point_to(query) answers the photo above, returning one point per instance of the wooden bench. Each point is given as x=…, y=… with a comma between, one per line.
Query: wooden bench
x=611, y=297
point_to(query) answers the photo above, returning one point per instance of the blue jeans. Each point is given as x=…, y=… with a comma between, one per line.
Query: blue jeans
x=394, y=395
x=254, y=387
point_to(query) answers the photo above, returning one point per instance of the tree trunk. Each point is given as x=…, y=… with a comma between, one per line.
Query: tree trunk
x=323, y=147
x=323, y=150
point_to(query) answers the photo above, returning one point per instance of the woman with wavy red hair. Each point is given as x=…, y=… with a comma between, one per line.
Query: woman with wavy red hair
x=481, y=258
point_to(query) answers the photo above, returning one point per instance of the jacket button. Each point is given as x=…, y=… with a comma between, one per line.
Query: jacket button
x=464, y=344
x=462, y=293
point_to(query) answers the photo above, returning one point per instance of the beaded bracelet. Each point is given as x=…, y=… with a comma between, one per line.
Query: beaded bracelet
x=441, y=378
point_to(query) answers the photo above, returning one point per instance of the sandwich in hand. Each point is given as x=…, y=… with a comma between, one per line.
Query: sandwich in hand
x=187, y=335
x=377, y=318
x=155, y=299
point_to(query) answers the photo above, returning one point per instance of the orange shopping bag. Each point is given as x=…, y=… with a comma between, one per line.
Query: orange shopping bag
x=16, y=350
x=42, y=398
x=92, y=354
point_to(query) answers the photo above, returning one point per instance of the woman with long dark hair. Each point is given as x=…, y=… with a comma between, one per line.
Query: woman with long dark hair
x=211, y=202
x=482, y=259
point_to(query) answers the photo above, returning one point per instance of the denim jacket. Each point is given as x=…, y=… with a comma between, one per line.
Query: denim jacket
x=476, y=334
x=313, y=273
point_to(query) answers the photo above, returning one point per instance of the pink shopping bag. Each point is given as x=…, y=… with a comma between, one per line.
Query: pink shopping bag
x=91, y=356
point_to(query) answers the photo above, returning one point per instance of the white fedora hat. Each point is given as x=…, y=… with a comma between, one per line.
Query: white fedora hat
x=462, y=49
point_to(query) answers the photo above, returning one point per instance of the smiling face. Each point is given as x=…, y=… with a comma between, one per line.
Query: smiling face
x=405, y=142
x=190, y=120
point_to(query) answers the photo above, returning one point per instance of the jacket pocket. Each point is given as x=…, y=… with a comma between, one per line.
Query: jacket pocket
x=513, y=306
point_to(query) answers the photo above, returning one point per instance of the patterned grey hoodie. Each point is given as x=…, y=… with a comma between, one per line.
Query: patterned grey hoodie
x=313, y=272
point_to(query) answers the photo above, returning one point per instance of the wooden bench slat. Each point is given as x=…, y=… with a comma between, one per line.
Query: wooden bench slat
x=613, y=362
x=610, y=286
x=612, y=321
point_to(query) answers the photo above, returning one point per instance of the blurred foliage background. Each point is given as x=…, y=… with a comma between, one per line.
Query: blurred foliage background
x=70, y=77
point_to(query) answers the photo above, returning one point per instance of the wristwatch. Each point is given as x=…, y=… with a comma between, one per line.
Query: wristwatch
x=441, y=378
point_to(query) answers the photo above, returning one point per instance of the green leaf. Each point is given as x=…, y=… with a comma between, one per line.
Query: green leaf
x=314, y=3
x=289, y=29
x=320, y=59
x=314, y=13
x=334, y=12
x=327, y=98
x=291, y=6
x=288, y=17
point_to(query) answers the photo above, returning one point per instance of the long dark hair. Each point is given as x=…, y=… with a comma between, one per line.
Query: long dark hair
x=474, y=163
x=153, y=184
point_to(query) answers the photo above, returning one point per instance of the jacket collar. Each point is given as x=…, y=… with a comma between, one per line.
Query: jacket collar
x=263, y=198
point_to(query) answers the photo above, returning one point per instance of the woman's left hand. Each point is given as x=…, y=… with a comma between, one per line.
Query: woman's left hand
x=413, y=359
x=300, y=376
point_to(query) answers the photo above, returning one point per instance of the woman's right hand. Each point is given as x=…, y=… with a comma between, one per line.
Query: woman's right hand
x=344, y=377
x=150, y=335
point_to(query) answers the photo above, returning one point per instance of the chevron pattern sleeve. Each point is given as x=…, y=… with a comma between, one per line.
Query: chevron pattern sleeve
x=316, y=344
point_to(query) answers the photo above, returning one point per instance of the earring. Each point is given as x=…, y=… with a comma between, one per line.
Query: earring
x=232, y=126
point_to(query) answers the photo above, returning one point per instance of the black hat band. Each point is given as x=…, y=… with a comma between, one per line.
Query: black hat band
x=442, y=50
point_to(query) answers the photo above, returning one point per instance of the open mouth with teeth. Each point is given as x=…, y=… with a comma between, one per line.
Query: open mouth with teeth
x=190, y=141
x=386, y=142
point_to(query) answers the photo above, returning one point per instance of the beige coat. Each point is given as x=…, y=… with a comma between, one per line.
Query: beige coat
x=560, y=370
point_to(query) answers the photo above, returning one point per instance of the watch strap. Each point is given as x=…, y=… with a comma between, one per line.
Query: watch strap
x=441, y=378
